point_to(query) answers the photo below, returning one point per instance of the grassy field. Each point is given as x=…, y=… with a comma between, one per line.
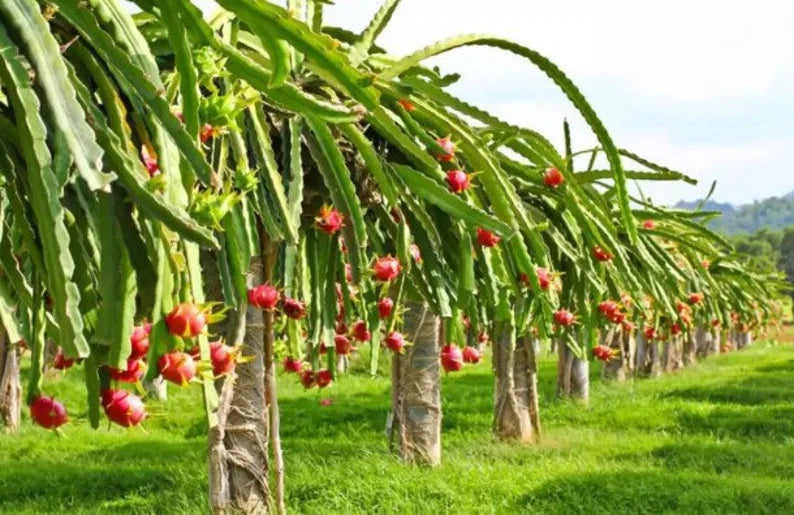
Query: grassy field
x=715, y=438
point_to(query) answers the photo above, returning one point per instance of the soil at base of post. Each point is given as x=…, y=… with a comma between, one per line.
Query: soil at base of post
x=648, y=362
x=156, y=388
x=621, y=366
x=689, y=349
x=238, y=446
x=672, y=354
x=418, y=411
x=704, y=342
x=10, y=388
x=573, y=375
x=533, y=349
x=269, y=255
x=511, y=389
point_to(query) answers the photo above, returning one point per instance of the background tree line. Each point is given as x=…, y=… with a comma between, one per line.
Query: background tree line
x=769, y=250
x=776, y=213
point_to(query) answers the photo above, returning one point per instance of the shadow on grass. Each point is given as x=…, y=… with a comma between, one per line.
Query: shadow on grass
x=785, y=366
x=83, y=485
x=467, y=401
x=773, y=423
x=656, y=492
x=727, y=458
x=129, y=476
x=148, y=451
x=306, y=418
x=766, y=388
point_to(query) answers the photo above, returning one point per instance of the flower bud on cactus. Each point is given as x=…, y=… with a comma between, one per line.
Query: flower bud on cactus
x=553, y=178
x=486, y=238
x=447, y=149
x=601, y=254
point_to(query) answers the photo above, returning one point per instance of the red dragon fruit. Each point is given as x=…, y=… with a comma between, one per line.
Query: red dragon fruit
x=471, y=355
x=177, y=367
x=360, y=331
x=308, y=379
x=385, y=307
x=223, y=358
x=292, y=365
x=330, y=220
x=386, y=268
x=132, y=374
x=342, y=345
x=451, y=357
x=139, y=341
x=48, y=413
x=602, y=353
x=294, y=309
x=123, y=407
x=186, y=320
x=458, y=181
x=395, y=342
x=60, y=361
x=263, y=296
x=564, y=318
x=324, y=378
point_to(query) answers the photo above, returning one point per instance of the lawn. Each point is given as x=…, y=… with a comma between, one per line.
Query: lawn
x=718, y=437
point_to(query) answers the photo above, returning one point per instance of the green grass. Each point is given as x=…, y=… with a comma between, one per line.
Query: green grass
x=715, y=438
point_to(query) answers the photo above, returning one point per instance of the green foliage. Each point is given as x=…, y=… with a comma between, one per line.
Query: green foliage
x=762, y=250
x=238, y=134
x=774, y=213
x=52, y=74
x=42, y=191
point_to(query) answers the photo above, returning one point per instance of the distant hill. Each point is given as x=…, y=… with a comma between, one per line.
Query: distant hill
x=772, y=213
x=710, y=205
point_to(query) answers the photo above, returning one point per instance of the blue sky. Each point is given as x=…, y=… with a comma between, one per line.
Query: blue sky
x=706, y=87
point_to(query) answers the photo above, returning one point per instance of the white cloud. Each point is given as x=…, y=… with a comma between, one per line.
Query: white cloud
x=717, y=73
